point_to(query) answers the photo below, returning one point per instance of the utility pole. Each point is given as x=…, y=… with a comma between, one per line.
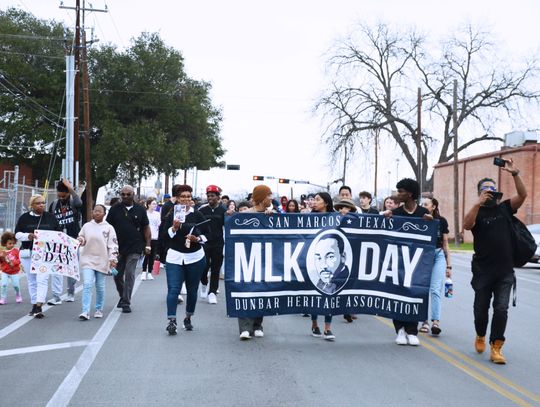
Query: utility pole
x=86, y=119
x=457, y=237
x=419, y=142
x=376, y=161
x=344, y=163
x=86, y=101
x=76, y=123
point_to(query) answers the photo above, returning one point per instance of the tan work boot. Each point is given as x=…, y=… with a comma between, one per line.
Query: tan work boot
x=496, y=353
x=480, y=344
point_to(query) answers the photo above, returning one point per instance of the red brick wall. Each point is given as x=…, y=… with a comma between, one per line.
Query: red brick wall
x=472, y=169
x=24, y=172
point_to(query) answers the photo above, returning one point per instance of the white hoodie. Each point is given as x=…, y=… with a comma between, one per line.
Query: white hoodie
x=100, y=247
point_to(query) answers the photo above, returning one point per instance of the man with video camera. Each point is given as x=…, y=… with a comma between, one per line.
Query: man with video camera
x=492, y=264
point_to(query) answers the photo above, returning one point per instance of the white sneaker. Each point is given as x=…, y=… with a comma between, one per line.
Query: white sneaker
x=183, y=290
x=203, y=291
x=84, y=316
x=258, y=333
x=180, y=299
x=70, y=298
x=150, y=276
x=401, y=338
x=212, y=299
x=244, y=336
x=413, y=340
x=98, y=314
x=54, y=301
x=143, y=276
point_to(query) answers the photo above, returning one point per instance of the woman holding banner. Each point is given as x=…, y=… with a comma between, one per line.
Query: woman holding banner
x=322, y=204
x=262, y=203
x=186, y=261
x=36, y=219
x=442, y=263
x=98, y=254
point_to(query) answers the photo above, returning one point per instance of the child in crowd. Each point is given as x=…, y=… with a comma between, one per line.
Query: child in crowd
x=10, y=266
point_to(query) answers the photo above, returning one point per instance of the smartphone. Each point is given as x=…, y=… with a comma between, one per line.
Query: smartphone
x=496, y=195
x=499, y=162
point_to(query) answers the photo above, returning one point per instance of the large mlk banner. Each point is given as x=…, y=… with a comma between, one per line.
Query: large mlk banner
x=328, y=264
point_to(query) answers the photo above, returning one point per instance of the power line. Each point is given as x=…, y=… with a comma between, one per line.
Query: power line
x=30, y=55
x=31, y=37
x=24, y=99
x=22, y=93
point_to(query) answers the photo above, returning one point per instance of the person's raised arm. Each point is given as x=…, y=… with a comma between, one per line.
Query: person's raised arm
x=517, y=200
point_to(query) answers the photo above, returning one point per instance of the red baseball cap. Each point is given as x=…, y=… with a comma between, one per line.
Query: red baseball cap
x=213, y=188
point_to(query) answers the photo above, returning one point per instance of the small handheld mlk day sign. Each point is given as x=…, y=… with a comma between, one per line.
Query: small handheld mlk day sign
x=55, y=253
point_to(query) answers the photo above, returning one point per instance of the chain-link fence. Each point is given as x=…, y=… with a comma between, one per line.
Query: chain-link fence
x=14, y=199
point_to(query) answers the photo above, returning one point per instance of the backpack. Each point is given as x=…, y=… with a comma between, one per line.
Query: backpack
x=522, y=240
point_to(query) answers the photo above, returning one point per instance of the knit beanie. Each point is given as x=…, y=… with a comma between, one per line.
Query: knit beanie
x=260, y=192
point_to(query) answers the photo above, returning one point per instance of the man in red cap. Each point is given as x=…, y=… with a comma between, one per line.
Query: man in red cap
x=213, y=248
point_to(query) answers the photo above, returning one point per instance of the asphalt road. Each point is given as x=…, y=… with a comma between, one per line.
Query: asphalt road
x=129, y=360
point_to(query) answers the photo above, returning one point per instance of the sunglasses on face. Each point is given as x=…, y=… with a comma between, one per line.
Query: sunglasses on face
x=488, y=188
x=126, y=194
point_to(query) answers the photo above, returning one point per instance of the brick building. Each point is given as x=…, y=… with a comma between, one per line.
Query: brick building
x=472, y=169
x=25, y=174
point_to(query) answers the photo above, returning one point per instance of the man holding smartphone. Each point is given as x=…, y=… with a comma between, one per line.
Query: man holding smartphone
x=492, y=264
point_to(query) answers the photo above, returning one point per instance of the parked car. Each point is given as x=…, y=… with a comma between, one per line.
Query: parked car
x=535, y=231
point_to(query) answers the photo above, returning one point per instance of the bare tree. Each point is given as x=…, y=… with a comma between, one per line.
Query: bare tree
x=376, y=72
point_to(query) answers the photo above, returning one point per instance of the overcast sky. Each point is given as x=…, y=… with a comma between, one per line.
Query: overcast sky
x=266, y=64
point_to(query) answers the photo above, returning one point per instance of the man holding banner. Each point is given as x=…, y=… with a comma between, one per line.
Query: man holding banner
x=408, y=192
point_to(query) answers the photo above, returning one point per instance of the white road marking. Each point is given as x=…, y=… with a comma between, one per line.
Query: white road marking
x=72, y=381
x=24, y=320
x=42, y=348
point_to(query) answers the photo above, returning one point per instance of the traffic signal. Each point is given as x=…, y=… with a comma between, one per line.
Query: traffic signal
x=258, y=178
x=284, y=181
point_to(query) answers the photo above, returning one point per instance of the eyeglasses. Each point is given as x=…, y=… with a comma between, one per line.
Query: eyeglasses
x=126, y=194
x=488, y=188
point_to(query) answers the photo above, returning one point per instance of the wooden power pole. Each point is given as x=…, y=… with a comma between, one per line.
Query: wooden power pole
x=83, y=65
x=457, y=237
x=86, y=119
x=419, y=142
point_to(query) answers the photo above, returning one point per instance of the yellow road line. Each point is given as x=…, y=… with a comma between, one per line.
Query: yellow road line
x=484, y=369
x=487, y=382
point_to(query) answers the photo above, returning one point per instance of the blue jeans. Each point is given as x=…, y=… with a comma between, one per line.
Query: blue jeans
x=437, y=284
x=88, y=276
x=327, y=318
x=177, y=274
x=4, y=280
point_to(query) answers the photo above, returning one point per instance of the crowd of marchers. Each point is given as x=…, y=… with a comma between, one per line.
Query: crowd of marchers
x=186, y=238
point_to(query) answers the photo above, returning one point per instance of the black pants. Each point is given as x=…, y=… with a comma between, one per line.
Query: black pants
x=125, y=279
x=411, y=328
x=148, y=261
x=499, y=287
x=214, y=260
